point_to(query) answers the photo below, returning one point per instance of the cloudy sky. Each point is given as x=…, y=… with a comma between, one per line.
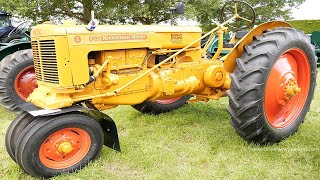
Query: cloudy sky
x=308, y=10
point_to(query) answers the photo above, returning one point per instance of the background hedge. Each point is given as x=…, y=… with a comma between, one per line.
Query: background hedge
x=308, y=26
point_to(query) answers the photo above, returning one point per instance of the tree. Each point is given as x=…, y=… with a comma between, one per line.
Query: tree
x=274, y=9
x=111, y=12
x=266, y=10
x=139, y=11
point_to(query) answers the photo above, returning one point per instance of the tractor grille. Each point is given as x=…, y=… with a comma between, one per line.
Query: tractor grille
x=45, y=61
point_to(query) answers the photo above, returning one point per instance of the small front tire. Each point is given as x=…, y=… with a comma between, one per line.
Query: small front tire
x=65, y=143
x=14, y=131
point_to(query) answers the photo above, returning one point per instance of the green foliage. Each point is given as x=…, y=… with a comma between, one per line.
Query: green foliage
x=266, y=10
x=111, y=12
x=142, y=11
x=273, y=9
x=308, y=26
x=204, y=11
x=133, y=11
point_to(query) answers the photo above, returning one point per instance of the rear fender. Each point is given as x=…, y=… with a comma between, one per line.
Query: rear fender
x=238, y=50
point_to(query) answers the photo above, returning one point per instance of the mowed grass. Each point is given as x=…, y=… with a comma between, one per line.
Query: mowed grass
x=194, y=142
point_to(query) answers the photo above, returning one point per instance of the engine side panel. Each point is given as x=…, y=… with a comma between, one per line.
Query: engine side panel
x=73, y=54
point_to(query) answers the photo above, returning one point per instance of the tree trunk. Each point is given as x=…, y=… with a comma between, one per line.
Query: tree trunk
x=87, y=8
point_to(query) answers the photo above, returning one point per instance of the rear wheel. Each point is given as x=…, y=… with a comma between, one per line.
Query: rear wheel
x=272, y=86
x=161, y=106
x=17, y=79
x=66, y=143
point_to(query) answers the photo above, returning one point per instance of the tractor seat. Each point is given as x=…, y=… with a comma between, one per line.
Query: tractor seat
x=228, y=45
x=240, y=34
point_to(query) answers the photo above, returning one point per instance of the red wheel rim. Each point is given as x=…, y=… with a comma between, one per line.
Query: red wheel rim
x=65, y=148
x=168, y=101
x=25, y=82
x=290, y=73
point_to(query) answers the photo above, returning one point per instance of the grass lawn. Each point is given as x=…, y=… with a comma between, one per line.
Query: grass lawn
x=194, y=142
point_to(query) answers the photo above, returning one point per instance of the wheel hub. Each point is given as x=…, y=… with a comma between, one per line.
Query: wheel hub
x=65, y=147
x=25, y=82
x=287, y=88
x=292, y=89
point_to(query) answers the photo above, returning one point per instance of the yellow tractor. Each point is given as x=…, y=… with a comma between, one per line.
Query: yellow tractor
x=269, y=76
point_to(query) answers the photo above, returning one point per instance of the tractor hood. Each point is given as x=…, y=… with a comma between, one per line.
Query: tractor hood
x=123, y=36
x=48, y=29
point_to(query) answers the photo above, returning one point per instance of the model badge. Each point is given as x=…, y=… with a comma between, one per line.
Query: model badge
x=119, y=37
x=77, y=39
x=176, y=38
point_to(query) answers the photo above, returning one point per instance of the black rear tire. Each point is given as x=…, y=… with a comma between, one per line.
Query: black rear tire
x=247, y=91
x=155, y=107
x=5, y=60
x=11, y=66
x=40, y=130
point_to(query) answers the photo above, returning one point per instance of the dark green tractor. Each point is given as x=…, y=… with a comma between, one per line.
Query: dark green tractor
x=315, y=40
x=10, y=33
x=17, y=76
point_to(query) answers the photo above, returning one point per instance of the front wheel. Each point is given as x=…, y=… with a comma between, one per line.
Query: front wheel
x=14, y=131
x=272, y=86
x=52, y=145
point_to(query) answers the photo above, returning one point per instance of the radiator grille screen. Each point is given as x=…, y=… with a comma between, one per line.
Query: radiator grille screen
x=45, y=61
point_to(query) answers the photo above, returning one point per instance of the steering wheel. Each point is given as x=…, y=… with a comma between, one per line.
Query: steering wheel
x=20, y=29
x=245, y=14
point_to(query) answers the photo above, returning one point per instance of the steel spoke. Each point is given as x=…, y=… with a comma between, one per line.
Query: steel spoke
x=245, y=19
